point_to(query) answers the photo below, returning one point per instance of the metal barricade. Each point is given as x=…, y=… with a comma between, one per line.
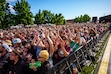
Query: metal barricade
x=78, y=57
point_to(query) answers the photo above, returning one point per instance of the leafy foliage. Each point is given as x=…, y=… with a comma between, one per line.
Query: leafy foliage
x=23, y=13
x=39, y=18
x=45, y=16
x=2, y=12
x=85, y=18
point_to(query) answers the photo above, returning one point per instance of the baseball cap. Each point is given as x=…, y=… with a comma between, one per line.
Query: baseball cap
x=16, y=40
x=7, y=47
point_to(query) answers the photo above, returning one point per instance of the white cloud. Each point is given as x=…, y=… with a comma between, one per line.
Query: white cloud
x=11, y=8
x=10, y=1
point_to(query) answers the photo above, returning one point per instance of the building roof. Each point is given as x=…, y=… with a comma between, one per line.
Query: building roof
x=70, y=21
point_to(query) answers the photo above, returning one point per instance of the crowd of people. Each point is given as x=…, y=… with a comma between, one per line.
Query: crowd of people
x=35, y=50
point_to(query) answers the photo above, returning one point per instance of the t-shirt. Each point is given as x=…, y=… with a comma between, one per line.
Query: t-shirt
x=4, y=60
x=43, y=68
x=82, y=40
x=37, y=49
x=18, y=68
x=33, y=52
x=59, y=55
x=74, y=45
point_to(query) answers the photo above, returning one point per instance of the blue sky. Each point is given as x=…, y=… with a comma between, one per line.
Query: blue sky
x=71, y=8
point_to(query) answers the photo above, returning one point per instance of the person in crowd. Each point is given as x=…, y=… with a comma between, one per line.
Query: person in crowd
x=58, y=41
x=4, y=55
x=28, y=53
x=37, y=43
x=80, y=39
x=73, y=44
x=62, y=49
x=45, y=65
x=92, y=33
x=16, y=65
x=17, y=43
x=48, y=43
x=86, y=35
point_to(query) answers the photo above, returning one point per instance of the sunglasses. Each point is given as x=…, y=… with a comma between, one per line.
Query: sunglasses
x=40, y=57
x=12, y=54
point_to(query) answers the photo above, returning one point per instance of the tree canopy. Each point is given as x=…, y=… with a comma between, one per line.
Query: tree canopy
x=82, y=18
x=23, y=13
x=2, y=12
x=45, y=16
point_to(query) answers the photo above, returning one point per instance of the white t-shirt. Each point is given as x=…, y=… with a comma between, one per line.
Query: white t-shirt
x=82, y=40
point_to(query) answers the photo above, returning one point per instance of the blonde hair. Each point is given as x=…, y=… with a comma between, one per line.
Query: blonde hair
x=44, y=54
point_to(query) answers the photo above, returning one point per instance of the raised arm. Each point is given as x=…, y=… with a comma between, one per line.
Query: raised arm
x=51, y=48
x=37, y=41
x=66, y=53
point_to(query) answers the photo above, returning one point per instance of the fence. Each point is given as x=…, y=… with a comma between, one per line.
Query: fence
x=79, y=58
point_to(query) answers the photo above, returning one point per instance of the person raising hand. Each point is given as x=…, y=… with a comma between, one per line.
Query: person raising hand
x=62, y=49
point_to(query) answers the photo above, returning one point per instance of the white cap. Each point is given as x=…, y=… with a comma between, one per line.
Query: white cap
x=16, y=40
x=7, y=47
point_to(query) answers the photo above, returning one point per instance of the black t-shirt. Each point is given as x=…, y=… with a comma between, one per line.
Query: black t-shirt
x=33, y=52
x=3, y=62
x=43, y=69
x=18, y=68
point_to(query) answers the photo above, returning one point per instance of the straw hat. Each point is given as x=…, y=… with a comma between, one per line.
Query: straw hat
x=8, y=42
x=18, y=52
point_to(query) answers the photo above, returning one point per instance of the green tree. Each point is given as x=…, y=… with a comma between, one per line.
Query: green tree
x=82, y=18
x=47, y=17
x=6, y=17
x=76, y=19
x=64, y=21
x=60, y=19
x=9, y=17
x=53, y=21
x=23, y=13
x=39, y=18
x=86, y=18
x=2, y=12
